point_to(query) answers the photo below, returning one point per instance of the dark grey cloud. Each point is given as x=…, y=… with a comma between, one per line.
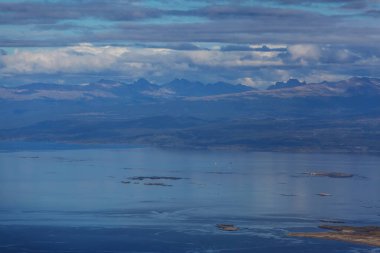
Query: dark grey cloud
x=53, y=12
x=263, y=48
x=340, y=4
x=303, y=2
x=35, y=41
x=67, y=26
x=218, y=12
x=228, y=48
x=180, y=46
x=233, y=23
x=2, y=53
x=249, y=25
x=354, y=5
x=291, y=28
x=266, y=30
x=311, y=41
x=316, y=1
x=373, y=13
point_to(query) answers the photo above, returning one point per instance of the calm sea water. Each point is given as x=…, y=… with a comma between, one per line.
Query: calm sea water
x=87, y=200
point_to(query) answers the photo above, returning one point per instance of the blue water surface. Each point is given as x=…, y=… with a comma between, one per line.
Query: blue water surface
x=89, y=200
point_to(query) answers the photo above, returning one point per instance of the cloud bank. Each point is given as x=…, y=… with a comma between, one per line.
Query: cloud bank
x=256, y=65
x=256, y=42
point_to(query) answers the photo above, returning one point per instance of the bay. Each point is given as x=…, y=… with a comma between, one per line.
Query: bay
x=141, y=199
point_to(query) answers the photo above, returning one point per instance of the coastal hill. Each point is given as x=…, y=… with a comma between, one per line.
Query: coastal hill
x=179, y=88
x=342, y=116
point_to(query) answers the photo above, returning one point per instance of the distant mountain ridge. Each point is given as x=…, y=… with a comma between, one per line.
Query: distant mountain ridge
x=355, y=86
x=184, y=87
x=342, y=116
x=142, y=89
x=112, y=89
x=288, y=84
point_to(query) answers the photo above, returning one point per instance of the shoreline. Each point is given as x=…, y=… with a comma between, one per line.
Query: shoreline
x=368, y=235
x=21, y=145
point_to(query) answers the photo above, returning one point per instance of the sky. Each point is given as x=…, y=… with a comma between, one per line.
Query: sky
x=250, y=42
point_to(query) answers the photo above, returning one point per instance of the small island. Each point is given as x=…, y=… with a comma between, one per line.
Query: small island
x=227, y=227
x=329, y=174
x=155, y=178
x=369, y=235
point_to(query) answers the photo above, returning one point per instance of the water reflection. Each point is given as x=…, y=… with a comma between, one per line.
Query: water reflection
x=235, y=184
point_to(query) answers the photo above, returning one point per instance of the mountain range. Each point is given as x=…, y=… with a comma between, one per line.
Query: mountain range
x=114, y=89
x=180, y=88
x=342, y=116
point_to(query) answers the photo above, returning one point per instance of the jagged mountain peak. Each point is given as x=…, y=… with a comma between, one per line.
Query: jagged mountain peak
x=288, y=84
x=143, y=89
x=142, y=82
x=184, y=87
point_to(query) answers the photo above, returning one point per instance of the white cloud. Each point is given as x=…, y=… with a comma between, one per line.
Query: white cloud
x=320, y=76
x=269, y=45
x=255, y=68
x=76, y=59
x=249, y=81
x=136, y=62
x=282, y=75
x=304, y=52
